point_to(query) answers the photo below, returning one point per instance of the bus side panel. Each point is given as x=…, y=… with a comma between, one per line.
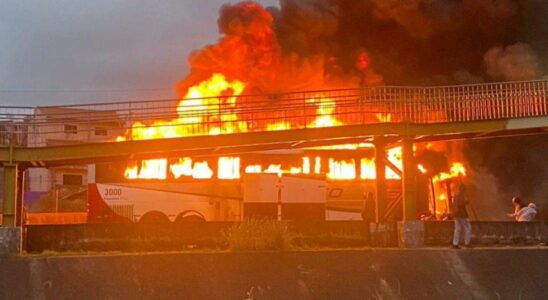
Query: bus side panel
x=133, y=202
x=99, y=211
x=303, y=198
x=260, y=196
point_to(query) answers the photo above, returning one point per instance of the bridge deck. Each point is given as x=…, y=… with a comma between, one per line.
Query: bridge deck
x=262, y=141
x=261, y=122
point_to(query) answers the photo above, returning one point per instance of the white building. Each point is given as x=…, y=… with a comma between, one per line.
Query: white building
x=56, y=126
x=14, y=133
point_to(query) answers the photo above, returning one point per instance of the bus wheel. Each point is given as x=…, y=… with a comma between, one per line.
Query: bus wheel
x=154, y=217
x=189, y=216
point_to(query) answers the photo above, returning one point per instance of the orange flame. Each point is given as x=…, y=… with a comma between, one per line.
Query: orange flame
x=318, y=165
x=185, y=167
x=276, y=169
x=148, y=169
x=324, y=112
x=228, y=168
x=254, y=169
x=457, y=169
x=306, y=165
x=384, y=117
x=203, y=103
x=395, y=157
x=341, y=169
x=278, y=126
x=201, y=170
x=367, y=169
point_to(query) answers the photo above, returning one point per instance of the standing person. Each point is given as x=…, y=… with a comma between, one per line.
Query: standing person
x=460, y=214
x=368, y=211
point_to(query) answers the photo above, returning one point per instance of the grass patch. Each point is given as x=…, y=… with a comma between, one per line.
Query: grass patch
x=258, y=235
x=251, y=235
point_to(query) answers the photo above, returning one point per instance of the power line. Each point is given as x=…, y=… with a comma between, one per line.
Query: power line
x=87, y=91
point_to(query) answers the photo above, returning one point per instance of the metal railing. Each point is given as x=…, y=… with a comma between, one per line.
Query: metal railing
x=49, y=125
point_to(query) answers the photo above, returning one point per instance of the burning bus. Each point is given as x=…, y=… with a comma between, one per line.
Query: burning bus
x=288, y=185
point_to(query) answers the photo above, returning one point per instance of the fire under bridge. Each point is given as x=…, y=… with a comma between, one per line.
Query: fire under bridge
x=228, y=125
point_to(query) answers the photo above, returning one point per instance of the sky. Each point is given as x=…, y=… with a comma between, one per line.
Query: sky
x=79, y=51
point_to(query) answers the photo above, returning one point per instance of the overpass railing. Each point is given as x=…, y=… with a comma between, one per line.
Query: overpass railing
x=103, y=122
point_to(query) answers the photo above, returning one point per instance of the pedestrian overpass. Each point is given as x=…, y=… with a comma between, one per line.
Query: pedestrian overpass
x=231, y=125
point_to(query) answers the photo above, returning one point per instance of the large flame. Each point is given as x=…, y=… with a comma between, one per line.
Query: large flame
x=228, y=168
x=186, y=167
x=183, y=167
x=367, y=170
x=342, y=169
x=210, y=108
x=440, y=184
x=208, y=103
x=324, y=112
x=147, y=169
x=457, y=169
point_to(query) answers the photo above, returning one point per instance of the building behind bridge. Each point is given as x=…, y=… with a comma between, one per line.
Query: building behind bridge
x=58, y=126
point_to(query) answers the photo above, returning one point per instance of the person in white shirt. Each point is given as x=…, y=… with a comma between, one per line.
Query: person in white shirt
x=528, y=213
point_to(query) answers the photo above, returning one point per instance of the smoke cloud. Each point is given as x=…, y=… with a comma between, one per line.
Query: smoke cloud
x=519, y=168
x=515, y=62
x=309, y=44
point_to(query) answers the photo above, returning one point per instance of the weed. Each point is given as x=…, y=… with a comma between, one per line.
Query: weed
x=258, y=235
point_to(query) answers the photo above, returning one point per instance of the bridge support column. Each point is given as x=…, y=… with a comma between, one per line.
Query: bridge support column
x=9, y=206
x=380, y=179
x=357, y=167
x=410, y=231
x=10, y=235
x=409, y=180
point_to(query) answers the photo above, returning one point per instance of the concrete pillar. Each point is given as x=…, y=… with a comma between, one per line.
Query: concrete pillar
x=410, y=231
x=409, y=180
x=380, y=181
x=357, y=167
x=10, y=241
x=410, y=234
x=10, y=234
x=9, y=207
x=19, y=200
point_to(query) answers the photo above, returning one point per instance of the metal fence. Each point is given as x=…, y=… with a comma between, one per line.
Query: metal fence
x=103, y=122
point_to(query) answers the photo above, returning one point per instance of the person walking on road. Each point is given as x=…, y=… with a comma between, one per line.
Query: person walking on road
x=460, y=214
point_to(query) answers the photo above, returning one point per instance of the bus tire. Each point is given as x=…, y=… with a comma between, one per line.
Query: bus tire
x=189, y=216
x=154, y=217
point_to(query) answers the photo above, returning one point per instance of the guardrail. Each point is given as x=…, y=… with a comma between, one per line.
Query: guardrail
x=103, y=122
